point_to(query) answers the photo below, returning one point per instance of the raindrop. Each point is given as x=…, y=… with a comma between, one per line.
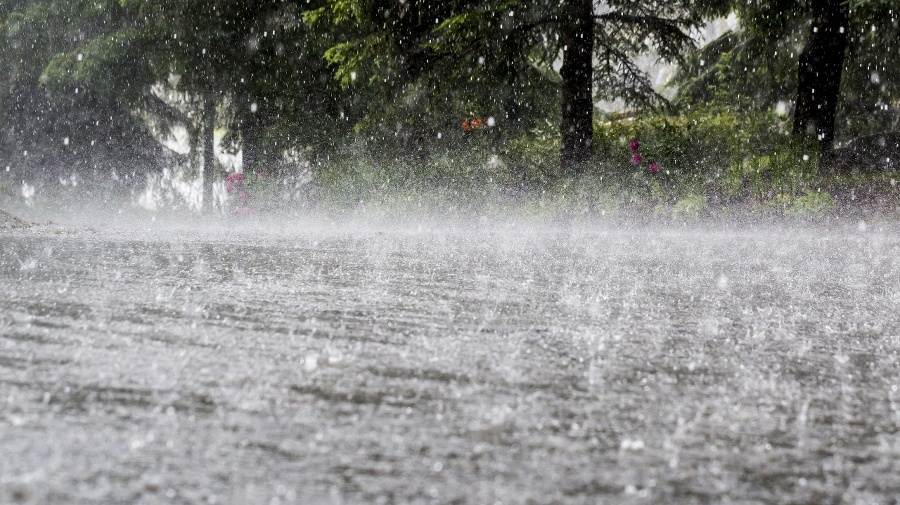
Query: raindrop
x=80, y=57
x=253, y=107
x=311, y=362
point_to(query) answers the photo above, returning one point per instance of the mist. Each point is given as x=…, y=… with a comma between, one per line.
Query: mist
x=503, y=252
x=358, y=355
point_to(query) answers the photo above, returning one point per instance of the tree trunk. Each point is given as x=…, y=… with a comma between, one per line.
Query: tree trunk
x=819, y=76
x=209, y=155
x=249, y=126
x=509, y=124
x=577, y=126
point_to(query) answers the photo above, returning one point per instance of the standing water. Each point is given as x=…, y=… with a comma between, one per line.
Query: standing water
x=494, y=363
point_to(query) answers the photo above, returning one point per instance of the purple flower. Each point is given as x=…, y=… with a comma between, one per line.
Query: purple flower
x=653, y=168
x=636, y=158
x=634, y=145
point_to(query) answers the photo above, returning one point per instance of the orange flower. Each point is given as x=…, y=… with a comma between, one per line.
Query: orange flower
x=465, y=126
x=477, y=123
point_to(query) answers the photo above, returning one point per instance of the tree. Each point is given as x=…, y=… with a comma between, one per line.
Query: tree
x=785, y=49
x=69, y=127
x=401, y=45
x=577, y=126
x=819, y=75
x=252, y=68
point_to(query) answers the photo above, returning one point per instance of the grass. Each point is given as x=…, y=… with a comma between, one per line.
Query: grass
x=485, y=184
x=711, y=165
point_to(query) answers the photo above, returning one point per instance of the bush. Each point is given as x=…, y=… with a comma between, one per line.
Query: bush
x=716, y=153
x=689, y=208
x=812, y=204
x=533, y=157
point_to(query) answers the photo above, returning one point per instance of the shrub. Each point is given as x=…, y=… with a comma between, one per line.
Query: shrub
x=689, y=208
x=716, y=153
x=812, y=204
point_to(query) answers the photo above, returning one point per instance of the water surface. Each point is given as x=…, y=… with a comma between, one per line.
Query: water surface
x=468, y=363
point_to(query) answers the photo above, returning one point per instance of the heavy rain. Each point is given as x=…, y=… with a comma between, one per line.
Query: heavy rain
x=487, y=252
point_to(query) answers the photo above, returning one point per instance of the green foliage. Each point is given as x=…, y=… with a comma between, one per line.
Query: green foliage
x=785, y=170
x=488, y=58
x=257, y=60
x=689, y=208
x=811, y=204
x=755, y=67
x=534, y=156
x=717, y=155
x=696, y=145
x=870, y=87
x=373, y=92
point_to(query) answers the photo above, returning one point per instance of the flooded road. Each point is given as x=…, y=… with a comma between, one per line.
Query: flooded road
x=461, y=364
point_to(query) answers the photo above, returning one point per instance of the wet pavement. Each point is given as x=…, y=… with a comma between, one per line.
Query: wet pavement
x=471, y=363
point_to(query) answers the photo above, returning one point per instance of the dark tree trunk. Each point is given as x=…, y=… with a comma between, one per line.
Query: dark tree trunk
x=511, y=77
x=209, y=155
x=819, y=76
x=510, y=123
x=577, y=73
x=249, y=127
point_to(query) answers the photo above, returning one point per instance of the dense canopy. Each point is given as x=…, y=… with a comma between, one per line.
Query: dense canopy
x=95, y=82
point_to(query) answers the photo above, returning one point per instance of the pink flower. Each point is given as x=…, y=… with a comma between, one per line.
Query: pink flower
x=242, y=211
x=259, y=175
x=634, y=145
x=653, y=168
x=243, y=196
x=234, y=182
x=636, y=158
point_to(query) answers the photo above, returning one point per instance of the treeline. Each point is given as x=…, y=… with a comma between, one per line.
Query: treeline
x=404, y=76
